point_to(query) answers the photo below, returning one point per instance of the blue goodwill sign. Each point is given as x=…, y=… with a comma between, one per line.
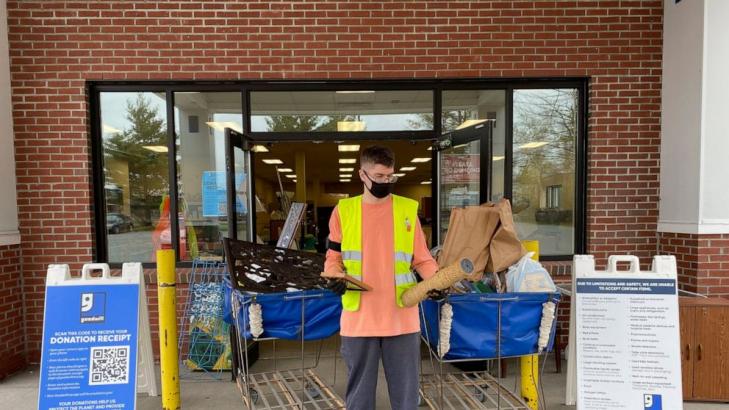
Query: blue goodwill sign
x=89, y=354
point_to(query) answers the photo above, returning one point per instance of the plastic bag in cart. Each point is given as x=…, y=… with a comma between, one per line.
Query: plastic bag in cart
x=529, y=275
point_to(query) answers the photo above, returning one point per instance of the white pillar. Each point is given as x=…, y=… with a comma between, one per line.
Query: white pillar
x=9, y=234
x=695, y=110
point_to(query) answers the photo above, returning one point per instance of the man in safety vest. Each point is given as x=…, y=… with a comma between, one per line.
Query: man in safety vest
x=376, y=237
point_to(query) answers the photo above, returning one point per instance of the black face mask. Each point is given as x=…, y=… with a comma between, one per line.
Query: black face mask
x=380, y=189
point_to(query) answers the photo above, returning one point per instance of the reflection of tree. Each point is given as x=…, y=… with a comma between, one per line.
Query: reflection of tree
x=292, y=123
x=148, y=172
x=543, y=116
x=450, y=119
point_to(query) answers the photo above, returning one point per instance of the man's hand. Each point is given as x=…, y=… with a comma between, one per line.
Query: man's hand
x=338, y=286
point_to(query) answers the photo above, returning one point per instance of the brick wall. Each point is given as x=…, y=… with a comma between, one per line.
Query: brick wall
x=12, y=339
x=55, y=47
x=703, y=261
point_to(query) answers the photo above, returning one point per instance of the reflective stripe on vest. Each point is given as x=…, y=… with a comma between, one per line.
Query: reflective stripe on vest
x=405, y=212
x=352, y=255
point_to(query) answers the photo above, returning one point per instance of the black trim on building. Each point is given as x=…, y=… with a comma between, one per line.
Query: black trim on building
x=94, y=88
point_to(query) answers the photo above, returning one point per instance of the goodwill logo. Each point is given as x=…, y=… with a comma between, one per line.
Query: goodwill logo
x=93, y=307
x=652, y=402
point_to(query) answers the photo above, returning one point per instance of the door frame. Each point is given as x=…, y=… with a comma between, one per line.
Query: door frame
x=482, y=132
x=233, y=140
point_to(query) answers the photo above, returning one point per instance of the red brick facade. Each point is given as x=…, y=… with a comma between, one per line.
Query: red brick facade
x=703, y=261
x=12, y=328
x=55, y=47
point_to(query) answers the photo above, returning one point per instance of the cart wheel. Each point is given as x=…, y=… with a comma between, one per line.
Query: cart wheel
x=254, y=395
x=313, y=391
x=478, y=393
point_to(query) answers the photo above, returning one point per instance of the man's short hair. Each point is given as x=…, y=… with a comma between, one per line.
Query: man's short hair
x=377, y=154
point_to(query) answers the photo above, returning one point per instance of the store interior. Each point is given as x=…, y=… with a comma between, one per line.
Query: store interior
x=320, y=173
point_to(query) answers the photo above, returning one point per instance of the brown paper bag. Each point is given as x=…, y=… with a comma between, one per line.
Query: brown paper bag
x=484, y=234
x=469, y=233
x=505, y=248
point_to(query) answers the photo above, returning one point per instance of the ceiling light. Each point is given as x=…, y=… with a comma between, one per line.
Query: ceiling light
x=425, y=183
x=346, y=169
x=345, y=176
x=222, y=125
x=421, y=159
x=497, y=158
x=285, y=170
x=272, y=161
x=292, y=176
x=354, y=92
x=407, y=169
x=156, y=148
x=347, y=161
x=400, y=175
x=293, y=180
x=109, y=129
x=345, y=180
x=534, y=144
x=259, y=148
x=344, y=126
x=430, y=148
x=348, y=148
x=469, y=123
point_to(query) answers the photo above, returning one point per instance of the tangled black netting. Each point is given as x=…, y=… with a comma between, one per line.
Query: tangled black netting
x=267, y=269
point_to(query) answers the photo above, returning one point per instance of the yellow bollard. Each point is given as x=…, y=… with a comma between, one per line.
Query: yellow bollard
x=530, y=363
x=167, y=304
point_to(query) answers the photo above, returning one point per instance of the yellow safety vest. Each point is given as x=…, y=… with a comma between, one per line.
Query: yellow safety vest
x=405, y=212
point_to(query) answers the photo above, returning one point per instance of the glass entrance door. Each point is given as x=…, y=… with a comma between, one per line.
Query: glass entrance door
x=238, y=184
x=464, y=171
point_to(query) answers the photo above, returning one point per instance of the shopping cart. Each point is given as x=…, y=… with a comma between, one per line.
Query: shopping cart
x=304, y=316
x=483, y=327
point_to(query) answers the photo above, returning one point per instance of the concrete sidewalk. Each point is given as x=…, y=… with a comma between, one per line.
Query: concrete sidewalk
x=200, y=391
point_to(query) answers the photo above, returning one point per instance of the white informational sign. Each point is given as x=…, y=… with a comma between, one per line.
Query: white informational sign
x=626, y=335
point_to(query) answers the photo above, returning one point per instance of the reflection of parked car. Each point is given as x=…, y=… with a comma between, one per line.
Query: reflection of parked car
x=553, y=216
x=117, y=223
x=519, y=204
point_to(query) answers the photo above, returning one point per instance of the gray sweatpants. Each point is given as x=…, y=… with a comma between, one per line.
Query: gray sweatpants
x=401, y=361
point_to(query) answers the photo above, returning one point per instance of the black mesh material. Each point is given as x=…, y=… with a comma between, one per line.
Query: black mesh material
x=268, y=269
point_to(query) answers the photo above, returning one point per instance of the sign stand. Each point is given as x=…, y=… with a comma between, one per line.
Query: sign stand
x=624, y=336
x=146, y=379
x=92, y=330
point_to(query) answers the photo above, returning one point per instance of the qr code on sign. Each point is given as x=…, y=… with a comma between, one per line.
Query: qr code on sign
x=109, y=365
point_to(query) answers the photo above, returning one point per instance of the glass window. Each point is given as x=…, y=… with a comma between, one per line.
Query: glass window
x=462, y=108
x=545, y=138
x=200, y=121
x=136, y=175
x=289, y=111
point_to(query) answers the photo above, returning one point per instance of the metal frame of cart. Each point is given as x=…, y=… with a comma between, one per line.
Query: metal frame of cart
x=468, y=389
x=299, y=388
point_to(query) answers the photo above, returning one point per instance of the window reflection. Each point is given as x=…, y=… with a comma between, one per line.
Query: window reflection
x=136, y=185
x=545, y=137
x=200, y=121
x=319, y=111
x=462, y=108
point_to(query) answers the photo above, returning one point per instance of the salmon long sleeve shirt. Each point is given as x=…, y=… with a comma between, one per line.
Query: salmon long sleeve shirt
x=378, y=313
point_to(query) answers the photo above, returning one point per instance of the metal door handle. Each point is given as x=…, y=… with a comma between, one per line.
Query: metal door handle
x=699, y=349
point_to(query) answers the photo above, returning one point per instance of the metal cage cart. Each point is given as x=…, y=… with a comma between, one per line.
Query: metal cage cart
x=476, y=327
x=302, y=316
x=203, y=342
